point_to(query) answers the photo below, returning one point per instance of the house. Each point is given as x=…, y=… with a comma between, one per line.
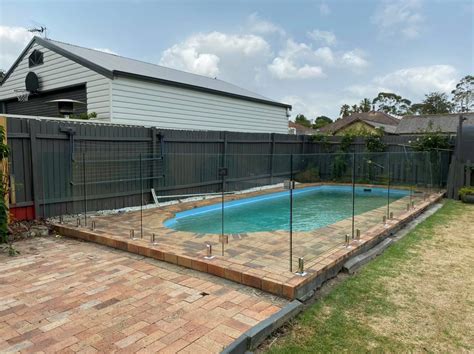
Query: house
x=298, y=129
x=61, y=77
x=443, y=123
x=362, y=123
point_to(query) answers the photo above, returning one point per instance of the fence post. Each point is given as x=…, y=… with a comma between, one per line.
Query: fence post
x=85, y=186
x=224, y=149
x=141, y=198
x=153, y=156
x=36, y=173
x=272, y=153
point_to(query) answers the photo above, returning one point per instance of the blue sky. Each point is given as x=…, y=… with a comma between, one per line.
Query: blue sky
x=315, y=55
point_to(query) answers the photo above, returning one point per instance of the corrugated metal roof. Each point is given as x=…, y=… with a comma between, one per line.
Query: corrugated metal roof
x=114, y=65
x=445, y=123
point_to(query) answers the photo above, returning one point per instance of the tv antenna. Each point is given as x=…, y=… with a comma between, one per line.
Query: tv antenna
x=42, y=30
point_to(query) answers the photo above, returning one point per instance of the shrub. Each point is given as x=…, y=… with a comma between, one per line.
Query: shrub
x=374, y=143
x=322, y=139
x=339, y=166
x=346, y=142
x=309, y=175
x=464, y=191
x=430, y=140
x=4, y=151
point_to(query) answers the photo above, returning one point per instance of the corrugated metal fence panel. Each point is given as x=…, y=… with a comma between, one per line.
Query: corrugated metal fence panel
x=50, y=159
x=18, y=132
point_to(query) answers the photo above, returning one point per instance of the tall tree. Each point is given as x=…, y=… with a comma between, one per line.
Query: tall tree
x=392, y=103
x=321, y=121
x=463, y=95
x=355, y=109
x=345, y=110
x=434, y=103
x=365, y=105
x=302, y=120
x=2, y=75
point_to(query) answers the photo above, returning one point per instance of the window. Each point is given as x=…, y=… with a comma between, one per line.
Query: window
x=36, y=58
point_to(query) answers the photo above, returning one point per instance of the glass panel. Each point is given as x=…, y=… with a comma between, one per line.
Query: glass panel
x=185, y=214
x=322, y=205
x=256, y=207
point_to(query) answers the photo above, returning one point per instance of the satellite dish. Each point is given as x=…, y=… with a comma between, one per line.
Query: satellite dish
x=31, y=82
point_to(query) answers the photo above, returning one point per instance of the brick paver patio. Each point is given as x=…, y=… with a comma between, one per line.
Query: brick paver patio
x=257, y=259
x=65, y=295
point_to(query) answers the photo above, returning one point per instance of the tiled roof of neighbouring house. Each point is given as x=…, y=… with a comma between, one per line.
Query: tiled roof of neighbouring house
x=445, y=123
x=372, y=118
x=300, y=129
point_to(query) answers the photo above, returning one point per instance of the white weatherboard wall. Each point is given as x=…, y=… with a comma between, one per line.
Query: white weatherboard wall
x=59, y=72
x=168, y=107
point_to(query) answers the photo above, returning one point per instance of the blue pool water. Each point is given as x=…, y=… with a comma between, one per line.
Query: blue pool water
x=313, y=207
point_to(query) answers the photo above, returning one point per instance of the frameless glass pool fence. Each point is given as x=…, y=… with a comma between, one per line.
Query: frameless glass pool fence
x=259, y=209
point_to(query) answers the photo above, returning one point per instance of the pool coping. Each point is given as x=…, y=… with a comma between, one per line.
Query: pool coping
x=300, y=288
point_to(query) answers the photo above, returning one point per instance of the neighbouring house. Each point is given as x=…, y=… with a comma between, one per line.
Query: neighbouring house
x=361, y=124
x=127, y=91
x=298, y=129
x=443, y=123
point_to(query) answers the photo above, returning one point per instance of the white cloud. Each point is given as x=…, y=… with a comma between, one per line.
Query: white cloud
x=12, y=41
x=325, y=37
x=217, y=53
x=300, y=61
x=283, y=68
x=106, y=50
x=255, y=24
x=412, y=83
x=421, y=79
x=399, y=17
x=354, y=60
x=324, y=9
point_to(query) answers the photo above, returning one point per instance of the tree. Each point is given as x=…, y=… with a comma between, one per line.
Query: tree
x=365, y=105
x=434, y=103
x=345, y=110
x=463, y=95
x=355, y=109
x=321, y=121
x=392, y=103
x=302, y=120
x=2, y=75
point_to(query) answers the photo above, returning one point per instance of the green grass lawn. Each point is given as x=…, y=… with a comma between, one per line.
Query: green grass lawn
x=417, y=296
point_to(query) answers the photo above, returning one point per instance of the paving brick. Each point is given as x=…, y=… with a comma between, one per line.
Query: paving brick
x=111, y=300
x=129, y=340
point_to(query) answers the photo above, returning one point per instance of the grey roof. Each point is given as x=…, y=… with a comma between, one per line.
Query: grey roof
x=444, y=123
x=387, y=128
x=112, y=65
x=372, y=118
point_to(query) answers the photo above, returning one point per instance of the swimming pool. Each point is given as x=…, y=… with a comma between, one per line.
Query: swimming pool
x=313, y=207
